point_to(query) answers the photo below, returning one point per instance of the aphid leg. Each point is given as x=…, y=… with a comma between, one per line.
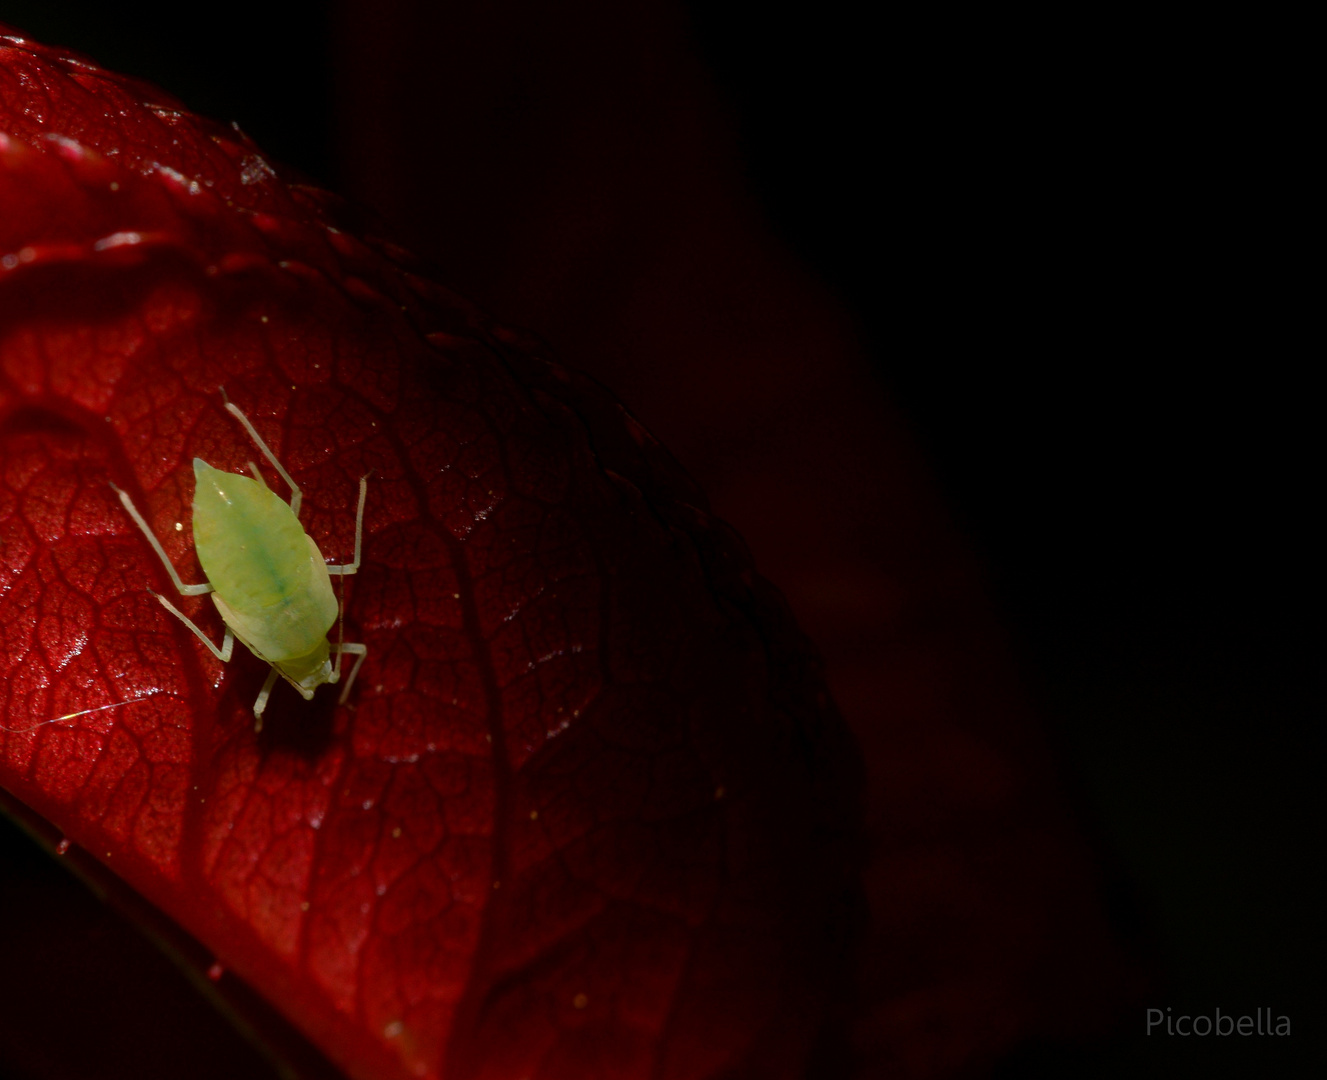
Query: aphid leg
x=253, y=468
x=351, y=567
x=227, y=643
x=342, y=646
x=295, y=494
x=261, y=703
x=185, y=590
x=356, y=650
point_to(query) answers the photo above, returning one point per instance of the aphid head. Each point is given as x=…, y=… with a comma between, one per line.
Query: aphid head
x=307, y=673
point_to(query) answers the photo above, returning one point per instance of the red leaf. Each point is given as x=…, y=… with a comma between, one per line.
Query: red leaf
x=589, y=812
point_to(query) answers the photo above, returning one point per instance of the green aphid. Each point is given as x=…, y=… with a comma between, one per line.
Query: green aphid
x=267, y=577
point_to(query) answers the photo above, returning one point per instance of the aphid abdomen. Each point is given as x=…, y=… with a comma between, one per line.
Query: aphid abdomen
x=271, y=582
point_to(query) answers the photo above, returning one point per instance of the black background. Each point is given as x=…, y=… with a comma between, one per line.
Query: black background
x=1071, y=249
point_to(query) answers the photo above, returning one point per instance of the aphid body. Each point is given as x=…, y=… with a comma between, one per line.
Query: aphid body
x=268, y=580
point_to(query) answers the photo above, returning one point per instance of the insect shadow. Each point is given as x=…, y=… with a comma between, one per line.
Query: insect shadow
x=290, y=724
x=268, y=580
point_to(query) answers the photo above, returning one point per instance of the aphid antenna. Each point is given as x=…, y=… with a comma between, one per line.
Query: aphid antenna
x=74, y=715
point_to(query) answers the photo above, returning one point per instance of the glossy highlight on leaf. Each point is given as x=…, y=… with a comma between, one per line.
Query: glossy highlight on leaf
x=589, y=811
